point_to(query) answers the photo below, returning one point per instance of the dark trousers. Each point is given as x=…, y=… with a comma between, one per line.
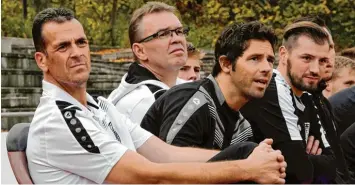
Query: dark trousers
x=236, y=152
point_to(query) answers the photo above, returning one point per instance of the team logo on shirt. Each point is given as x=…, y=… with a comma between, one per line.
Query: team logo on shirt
x=68, y=115
x=196, y=101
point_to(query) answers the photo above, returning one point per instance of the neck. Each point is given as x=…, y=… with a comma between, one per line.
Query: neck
x=75, y=90
x=164, y=75
x=283, y=73
x=234, y=98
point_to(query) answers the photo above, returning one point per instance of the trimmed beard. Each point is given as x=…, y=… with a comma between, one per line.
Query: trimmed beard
x=297, y=82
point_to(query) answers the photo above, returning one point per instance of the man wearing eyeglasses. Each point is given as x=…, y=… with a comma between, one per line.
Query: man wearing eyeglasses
x=159, y=46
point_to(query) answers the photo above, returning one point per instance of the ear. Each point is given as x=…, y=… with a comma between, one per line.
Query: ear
x=283, y=55
x=41, y=61
x=139, y=51
x=225, y=64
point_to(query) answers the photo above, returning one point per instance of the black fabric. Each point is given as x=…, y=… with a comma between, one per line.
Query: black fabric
x=199, y=130
x=347, y=140
x=328, y=123
x=138, y=73
x=16, y=139
x=343, y=107
x=267, y=121
x=236, y=151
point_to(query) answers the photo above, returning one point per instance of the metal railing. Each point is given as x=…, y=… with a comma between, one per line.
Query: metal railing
x=16, y=114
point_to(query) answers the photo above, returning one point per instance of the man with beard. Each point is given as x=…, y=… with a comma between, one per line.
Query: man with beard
x=285, y=112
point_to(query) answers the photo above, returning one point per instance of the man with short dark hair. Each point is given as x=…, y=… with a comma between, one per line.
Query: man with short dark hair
x=287, y=114
x=158, y=43
x=72, y=139
x=205, y=113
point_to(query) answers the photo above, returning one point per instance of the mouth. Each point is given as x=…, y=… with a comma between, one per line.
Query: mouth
x=77, y=65
x=312, y=78
x=261, y=81
x=177, y=50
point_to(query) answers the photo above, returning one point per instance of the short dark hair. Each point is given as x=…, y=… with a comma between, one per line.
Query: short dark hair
x=234, y=40
x=304, y=28
x=58, y=15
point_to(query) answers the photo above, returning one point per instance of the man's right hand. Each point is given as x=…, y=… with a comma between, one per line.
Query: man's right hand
x=267, y=166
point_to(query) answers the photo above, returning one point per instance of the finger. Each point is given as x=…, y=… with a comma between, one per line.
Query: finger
x=315, y=147
x=283, y=175
x=284, y=164
x=280, y=158
x=280, y=181
x=267, y=141
x=282, y=170
x=319, y=151
x=309, y=144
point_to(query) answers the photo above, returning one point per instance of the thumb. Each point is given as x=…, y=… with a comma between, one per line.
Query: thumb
x=267, y=141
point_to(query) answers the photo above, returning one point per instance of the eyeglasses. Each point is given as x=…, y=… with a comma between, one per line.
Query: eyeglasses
x=166, y=33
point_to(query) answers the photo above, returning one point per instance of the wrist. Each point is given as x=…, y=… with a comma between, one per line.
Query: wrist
x=244, y=171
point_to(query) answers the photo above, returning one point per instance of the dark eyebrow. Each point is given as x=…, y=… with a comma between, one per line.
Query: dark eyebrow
x=81, y=39
x=65, y=43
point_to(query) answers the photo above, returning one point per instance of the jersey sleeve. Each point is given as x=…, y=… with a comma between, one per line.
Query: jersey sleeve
x=74, y=144
x=180, y=117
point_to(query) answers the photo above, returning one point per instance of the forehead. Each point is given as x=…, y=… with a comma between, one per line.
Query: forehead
x=260, y=47
x=193, y=62
x=306, y=45
x=346, y=72
x=56, y=32
x=153, y=22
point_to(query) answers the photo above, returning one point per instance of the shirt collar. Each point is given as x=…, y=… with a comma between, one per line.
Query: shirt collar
x=218, y=90
x=52, y=90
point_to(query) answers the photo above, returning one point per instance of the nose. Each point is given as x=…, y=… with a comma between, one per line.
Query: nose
x=175, y=38
x=314, y=67
x=266, y=66
x=192, y=75
x=75, y=51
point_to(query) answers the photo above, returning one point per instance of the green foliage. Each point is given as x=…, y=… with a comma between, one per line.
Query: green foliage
x=108, y=26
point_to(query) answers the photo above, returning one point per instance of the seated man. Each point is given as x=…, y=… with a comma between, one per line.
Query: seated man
x=343, y=76
x=286, y=113
x=205, y=113
x=158, y=44
x=73, y=141
x=191, y=70
x=343, y=104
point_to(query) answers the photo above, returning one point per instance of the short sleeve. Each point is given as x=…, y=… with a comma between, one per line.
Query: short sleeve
x=74, y=143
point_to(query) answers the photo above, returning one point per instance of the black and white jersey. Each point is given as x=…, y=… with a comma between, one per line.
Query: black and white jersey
x=196, y=114
x=289, y=120
x=69, y=143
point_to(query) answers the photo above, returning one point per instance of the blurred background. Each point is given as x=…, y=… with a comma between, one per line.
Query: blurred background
x=106, y=21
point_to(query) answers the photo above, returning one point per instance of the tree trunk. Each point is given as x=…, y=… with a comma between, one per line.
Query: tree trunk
x=113, y=22
x=24, y=4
